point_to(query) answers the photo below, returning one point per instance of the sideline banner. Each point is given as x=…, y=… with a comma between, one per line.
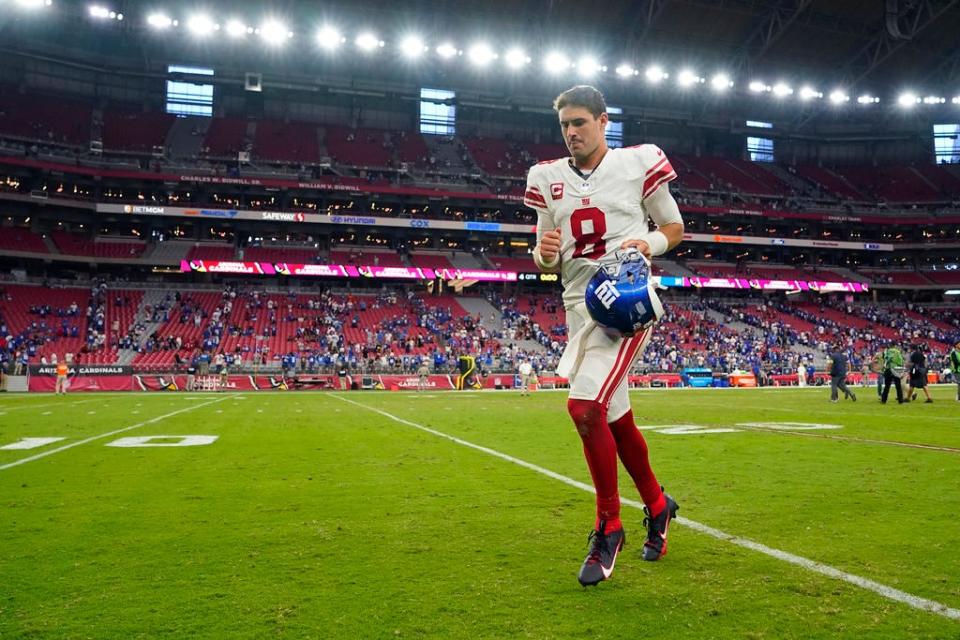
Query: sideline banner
x=81, y=377
x=81, y=383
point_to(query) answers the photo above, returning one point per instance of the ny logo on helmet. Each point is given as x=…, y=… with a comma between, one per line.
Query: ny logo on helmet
x=607, y=294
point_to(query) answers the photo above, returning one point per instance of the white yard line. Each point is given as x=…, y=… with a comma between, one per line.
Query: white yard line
x=811, y=565
x=827, y=436
x=108, y=434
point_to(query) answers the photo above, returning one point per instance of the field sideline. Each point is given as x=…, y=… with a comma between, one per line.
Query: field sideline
x=450, y=515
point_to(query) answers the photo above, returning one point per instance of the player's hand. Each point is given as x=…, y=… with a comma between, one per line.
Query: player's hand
x=550, y=245
x=640, y=245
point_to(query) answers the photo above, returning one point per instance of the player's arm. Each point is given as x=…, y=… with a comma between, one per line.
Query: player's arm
x=663, y=210
x=546, y=254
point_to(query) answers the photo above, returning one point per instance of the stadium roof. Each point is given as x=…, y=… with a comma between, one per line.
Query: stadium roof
x=858, y=46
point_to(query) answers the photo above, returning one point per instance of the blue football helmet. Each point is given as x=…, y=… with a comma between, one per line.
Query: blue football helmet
x=622, y=296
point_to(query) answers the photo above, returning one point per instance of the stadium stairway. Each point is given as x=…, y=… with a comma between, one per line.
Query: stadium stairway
x=150, y=297
x=51, y=245
x=168, y=252
x=448, y=150
x=673, y=268
x=799, y=184
x=742, y=328
x=492, y=319
x=849, y=274
x=185, y=137
x=924, y=179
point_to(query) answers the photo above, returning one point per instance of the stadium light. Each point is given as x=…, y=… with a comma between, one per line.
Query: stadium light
x=688, y=78
x=412, y=47
x=626, y=71
x=782, y=90
x=368, y=42
x=588, y=66
x=721, y=82
x=100, y=12
x=516, y=58
x=329, y=38
x=236, y=29
x=837, y=96
x=481, y=54
x=907, y=100
x=556, y=63
x=809, y=93
x=274, y=32
x=655, y=74
x=867, y=99
x=161, y=21
x=34, y=4
x=201, y=25
x=758, y=87
x=934, y=100
x=447, y=50
x=956, y=100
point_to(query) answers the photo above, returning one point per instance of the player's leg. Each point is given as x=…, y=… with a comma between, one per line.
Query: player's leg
x=634, y=453
x=834, y=385
x=601, y=356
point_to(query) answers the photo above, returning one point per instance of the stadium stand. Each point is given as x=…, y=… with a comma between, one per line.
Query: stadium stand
x=44, y=118
x=286, y=141
x=72, y=244
x=135, y=131
x=211, y=251
x=430, y=261
x=225, y=137
x=364, y=256
x=277, y=254
x=367, y=148
x=19, y=239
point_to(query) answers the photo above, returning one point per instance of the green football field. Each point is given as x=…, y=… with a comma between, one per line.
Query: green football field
x=445, y=515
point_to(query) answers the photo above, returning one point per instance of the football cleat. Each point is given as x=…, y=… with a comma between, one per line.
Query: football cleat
x=656, y=545
x=604, y=548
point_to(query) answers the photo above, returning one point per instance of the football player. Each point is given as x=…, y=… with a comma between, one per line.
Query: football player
x=589, y=206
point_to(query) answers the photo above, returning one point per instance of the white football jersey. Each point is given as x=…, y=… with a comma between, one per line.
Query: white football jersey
x=596, y=213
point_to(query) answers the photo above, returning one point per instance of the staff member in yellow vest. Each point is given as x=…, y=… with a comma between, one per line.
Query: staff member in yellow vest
x=61, y=386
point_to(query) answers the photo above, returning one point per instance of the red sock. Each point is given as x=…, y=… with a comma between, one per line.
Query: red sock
x=600, y=449
x=632, y=449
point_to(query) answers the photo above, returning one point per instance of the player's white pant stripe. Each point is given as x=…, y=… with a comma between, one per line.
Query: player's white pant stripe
x=624, y=347
x=625, y=358
x=639, y=341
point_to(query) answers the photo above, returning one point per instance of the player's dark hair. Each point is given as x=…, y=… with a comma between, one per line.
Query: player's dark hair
x=582, y=95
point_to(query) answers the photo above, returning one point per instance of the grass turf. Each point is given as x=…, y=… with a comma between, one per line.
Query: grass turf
x=312, y=517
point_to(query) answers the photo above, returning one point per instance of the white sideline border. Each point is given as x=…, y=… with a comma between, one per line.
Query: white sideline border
x=916, y=602
x=44, y=454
